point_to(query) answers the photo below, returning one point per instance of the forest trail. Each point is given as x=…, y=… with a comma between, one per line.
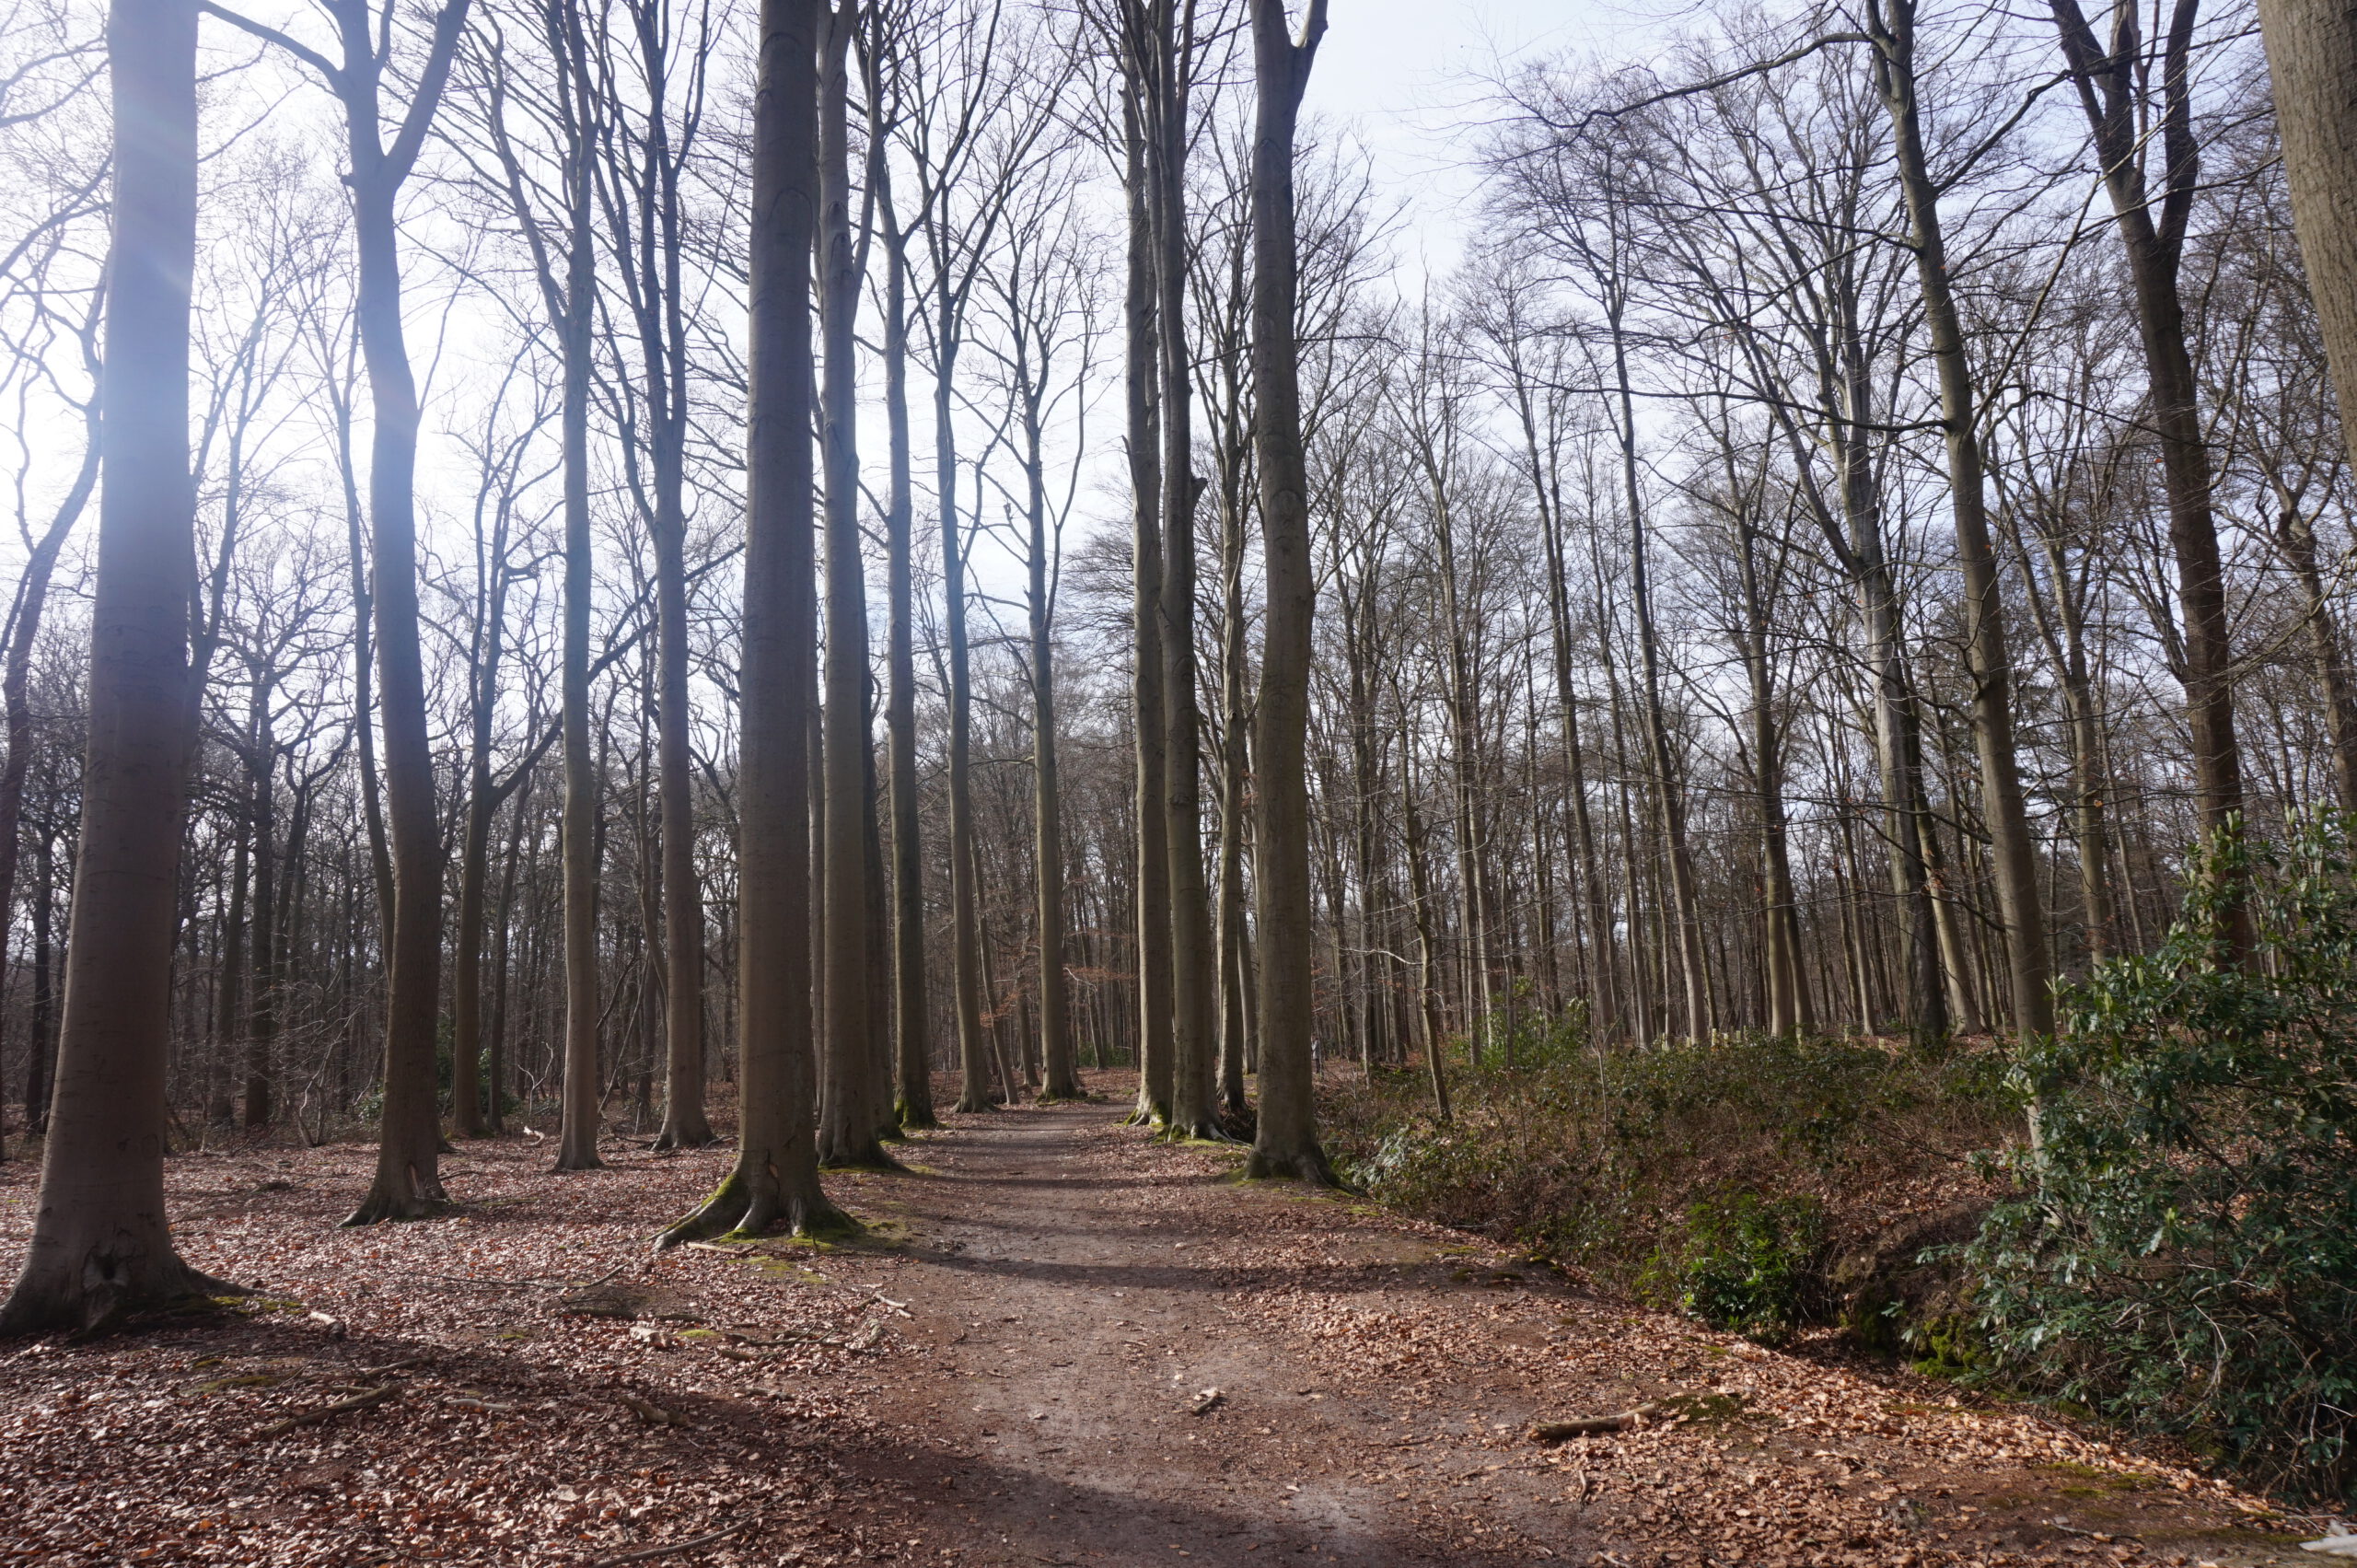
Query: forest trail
x=1074, y=1292
x=1078, y=1298
x=1001, y=1373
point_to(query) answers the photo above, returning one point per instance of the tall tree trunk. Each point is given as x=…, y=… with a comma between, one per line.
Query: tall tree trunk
x=2295, y=537
x=1234, y=764
x=1286, y=1141
x=1193, y=979
x=101, y=1246
x=847, y=1113
x=408, y=1180
x=777, y=1174
x=664, y=337
x=912, y=1006
x=1059, y=1069
x=41, y=1071
x=1669, y=785
x=2116, y=91
x=1891, y=24
x=496, y=1078
x=1147, y=684
x=261, y=1022
x=583, y=1099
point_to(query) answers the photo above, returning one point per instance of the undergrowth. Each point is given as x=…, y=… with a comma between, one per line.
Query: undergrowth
x=1717, y=1178
x=2181, y=1250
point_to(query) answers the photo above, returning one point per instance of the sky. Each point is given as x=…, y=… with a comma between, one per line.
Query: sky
x=1407, y=78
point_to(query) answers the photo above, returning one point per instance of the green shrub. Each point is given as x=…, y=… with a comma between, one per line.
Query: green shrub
x=1597, y=1156
x=2182, y=1253
x=1745, y=1263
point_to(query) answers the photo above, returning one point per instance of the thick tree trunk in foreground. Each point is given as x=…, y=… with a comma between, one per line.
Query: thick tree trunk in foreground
x=777, y=1174
x=101, y=1246
x=2312, y=62
x=1287, y=1141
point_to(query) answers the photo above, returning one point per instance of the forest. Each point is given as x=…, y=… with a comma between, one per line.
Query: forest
x=822, y=651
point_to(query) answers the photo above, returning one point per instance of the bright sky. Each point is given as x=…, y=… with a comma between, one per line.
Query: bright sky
x=1408, y=76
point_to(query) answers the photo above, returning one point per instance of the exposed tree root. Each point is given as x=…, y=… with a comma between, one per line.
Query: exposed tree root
x=1594, y=1426
x=92, y=1294
x=398, y=1196
x=1309, y=1166
x=644, y=1553
x=365, y=1399
x=750, y=1206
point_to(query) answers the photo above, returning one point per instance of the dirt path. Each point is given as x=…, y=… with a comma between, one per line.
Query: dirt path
x=1075, y=1290
x=1004, y=1371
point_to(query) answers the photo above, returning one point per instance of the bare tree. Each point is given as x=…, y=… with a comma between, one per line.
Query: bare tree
x=777, y=1176
x=100, y=1244
x=1286, y=1143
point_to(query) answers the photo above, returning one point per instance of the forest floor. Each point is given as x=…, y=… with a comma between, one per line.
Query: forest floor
x=1015, y=1366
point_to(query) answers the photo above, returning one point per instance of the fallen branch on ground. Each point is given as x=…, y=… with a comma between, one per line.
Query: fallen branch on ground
x=651, y=1413
x=360, y=1401
x=643, y=1552
x=1594, y=1426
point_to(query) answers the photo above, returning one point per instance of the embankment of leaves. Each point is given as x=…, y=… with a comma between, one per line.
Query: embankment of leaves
x=1761, y=1184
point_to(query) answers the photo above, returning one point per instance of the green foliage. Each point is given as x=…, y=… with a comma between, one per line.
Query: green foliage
x=1743, y=1263
x=1601, y=1156
x=2183, y=1250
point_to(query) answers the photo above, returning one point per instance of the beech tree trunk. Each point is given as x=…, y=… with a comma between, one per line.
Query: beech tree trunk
x=912, y=1007
x=2012, y=851
x=408, y=1180
x=2312, y=64
x=1286, y=1143
x=1194, y=979
x=576, y=305
x=777, y=1176
x=847, y=1112
x=2115, y=90
x=100, y=1244
x=1146, y=682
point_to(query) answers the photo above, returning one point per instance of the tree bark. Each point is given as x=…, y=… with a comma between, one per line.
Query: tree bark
x=1286, y=1143
x=912, y=1007
x=2011, y=850
x=100, y=1244
x=1147, y=684
x=847, y=1110
x=583, y=1108
x=777, y=1176
x=408, y=1180
x=2312, y=64
x=2116, y=91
